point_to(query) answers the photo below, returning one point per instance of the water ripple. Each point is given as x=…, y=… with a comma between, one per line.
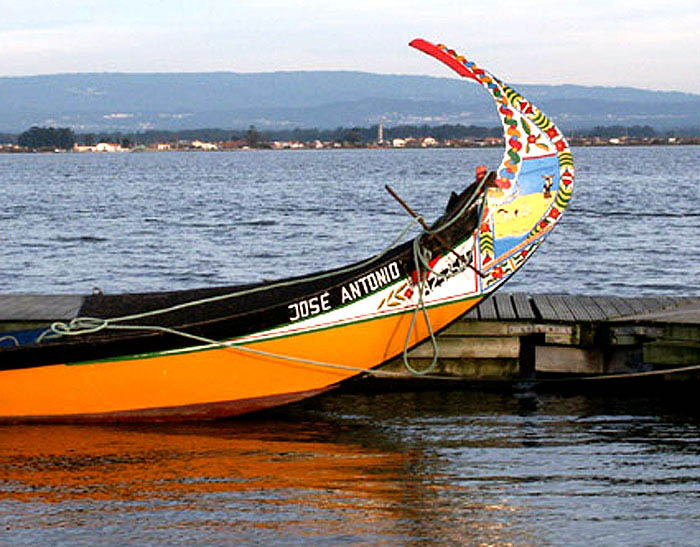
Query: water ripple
x=626, y=233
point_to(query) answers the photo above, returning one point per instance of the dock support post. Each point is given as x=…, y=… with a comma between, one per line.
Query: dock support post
x=526, y=357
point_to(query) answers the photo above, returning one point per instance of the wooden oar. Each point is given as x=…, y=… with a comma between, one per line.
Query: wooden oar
x=427, y=229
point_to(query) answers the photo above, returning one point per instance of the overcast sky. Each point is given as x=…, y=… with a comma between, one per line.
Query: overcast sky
x=648, y=44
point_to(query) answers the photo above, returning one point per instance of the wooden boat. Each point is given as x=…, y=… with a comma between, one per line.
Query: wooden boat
x=216, y=352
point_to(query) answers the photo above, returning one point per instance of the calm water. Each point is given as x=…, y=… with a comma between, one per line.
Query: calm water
x=446, y=468
x=137, y=222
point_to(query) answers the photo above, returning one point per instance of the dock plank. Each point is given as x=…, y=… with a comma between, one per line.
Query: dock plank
x=666, y=302
x=522, y=305
x=594, y=311
x=487, y=309
x=637, y=304
x=579, y=308
x=633, y=307
x=544, y=307
x=475, y=347
x=606, y=305
x=622, y=305
x=687, y=312
x=505, y=308
x=562, y=307
x=651, y=303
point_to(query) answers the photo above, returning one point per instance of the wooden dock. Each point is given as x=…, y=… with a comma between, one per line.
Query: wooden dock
x=508, y=336
x=516, y=335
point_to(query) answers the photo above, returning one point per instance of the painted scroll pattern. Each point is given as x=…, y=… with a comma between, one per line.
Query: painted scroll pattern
x=530, y=138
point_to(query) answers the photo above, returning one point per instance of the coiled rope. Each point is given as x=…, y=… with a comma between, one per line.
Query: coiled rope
x=421, y=258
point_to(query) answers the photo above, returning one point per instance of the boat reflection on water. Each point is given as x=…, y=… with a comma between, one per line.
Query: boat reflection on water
x=452, y=467
x=246, y=480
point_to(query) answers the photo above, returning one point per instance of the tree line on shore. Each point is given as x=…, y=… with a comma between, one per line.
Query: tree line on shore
x=65, y=138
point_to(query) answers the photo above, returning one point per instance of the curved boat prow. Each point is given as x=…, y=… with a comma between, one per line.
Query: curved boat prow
x=534, y=181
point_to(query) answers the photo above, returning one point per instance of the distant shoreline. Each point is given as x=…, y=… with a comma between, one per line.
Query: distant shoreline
x=221, y=147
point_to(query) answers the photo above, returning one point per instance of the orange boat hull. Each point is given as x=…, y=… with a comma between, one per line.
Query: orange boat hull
x=212, y=383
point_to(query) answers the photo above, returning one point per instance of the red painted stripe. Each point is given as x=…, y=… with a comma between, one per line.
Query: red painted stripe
x=434, y=51
x=551, y=155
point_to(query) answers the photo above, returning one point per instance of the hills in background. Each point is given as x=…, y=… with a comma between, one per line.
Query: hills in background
x=112, y=102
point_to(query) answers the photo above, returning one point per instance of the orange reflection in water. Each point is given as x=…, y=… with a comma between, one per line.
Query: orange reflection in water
x=58, y=463
x=228, y=481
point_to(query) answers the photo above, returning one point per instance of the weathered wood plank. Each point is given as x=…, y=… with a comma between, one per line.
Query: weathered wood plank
x=686, y=314
x=504, y=306
x=637, y=304
x=550, y=309
x=649, y=303
x=672, y=301
x=569, y=360
x=459, y=348
x=622, y=305
x=672, y=353
x=606, y=303
x=577, y=311
x=580, y=309
x=657, y=303
x=543, y=308
x=594, y=311
x=561, y=305
x=497, y=369
x=682, y=332
x=663, y=302
x=486, y=328
x=487, y=309
x=522, y=305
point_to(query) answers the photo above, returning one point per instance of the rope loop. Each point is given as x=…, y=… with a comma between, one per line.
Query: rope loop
x=9, y=338
x=421, y=260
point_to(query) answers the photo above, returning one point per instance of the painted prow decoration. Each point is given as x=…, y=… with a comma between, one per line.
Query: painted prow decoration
x=534, y=181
